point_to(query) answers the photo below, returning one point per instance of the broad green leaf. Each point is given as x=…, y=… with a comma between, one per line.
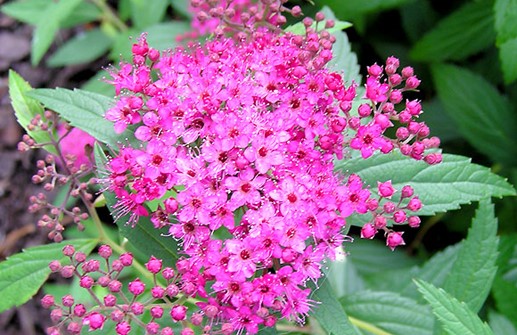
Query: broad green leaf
x=161, y=36
x=483, y=116
x=508, y=56
x=439, y=121
x=82, y=48
x=434, y=271
x=441, y=187
x=84, y=110
x=474, y=270
x=417, y=18
x=26, y=11
x=97, y=84
x=465, y=32
x=454, y=315
x=22, y=274
x=344, y=277
x=344, y=60
x=505, y=12
x=371, y=258
x=182, y=6
x=29, y=11
x=388, y=312
x=329, y=313
x=352, y=9
x=500, y=324
x=145, y=13
x=143, y=236
x=26, y=108
x=48, y=25
x=505, y=296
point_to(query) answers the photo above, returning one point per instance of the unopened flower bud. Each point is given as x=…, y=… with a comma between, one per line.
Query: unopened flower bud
x=394, y=239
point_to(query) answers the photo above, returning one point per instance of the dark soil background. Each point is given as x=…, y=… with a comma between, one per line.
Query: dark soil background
x=18, y=227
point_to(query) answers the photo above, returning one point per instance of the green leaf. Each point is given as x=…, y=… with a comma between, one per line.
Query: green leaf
x=27, y=11
x=417, y=17
x=22, y=274
x=505, y=20
x=434, y=271
x=483, y=116
x=507, y=54
x=143, y=236
x=439, y=121
x=471, y=276
x=455, y=316
x=82, y=48
x=26, y=108
x=84, y=110
x=500, y=324
x=48, y=25
x=182, y=6
x=146, y=13
x=344, y=277
x=160, y=36
x=329, y=312
x=96, y=84
x=505, y=296
x=344, y=60
x=441, y=187
x=352, y=9
x=388, y=312
x=463, y=33
x=371, y=258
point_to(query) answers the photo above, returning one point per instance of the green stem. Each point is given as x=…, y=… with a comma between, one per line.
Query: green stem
x=110, y=15
x=367, y=326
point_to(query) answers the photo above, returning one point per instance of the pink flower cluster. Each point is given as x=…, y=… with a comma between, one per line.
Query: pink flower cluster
x=238, y=140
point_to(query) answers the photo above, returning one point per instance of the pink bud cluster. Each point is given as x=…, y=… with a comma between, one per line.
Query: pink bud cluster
x=69, y=166
x=223, y=16
x=238, y=140
x=385, y=211
x=384, y=90
x=122, y=304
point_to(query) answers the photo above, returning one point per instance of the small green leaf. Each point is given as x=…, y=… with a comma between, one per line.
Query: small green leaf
x=146, y=13
x=471, y=276
x=329, y=312
x=507, y=54
x=500, y=324
x=505, y=20
x=82, y=48
x=143, y=236
x=48, y=25
x=441, y=187
x=483, y=116
x=454, y=315
x=26, y=108
x=84, y=110
x=22, y=274
x=389, y=312
x=463, y=33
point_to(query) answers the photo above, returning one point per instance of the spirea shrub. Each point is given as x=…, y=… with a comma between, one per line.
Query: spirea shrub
x=229, y=148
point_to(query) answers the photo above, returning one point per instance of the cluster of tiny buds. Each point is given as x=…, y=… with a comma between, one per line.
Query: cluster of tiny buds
x=57, y=170
x=123, y=307
x=222, y=17
x=385, y=211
